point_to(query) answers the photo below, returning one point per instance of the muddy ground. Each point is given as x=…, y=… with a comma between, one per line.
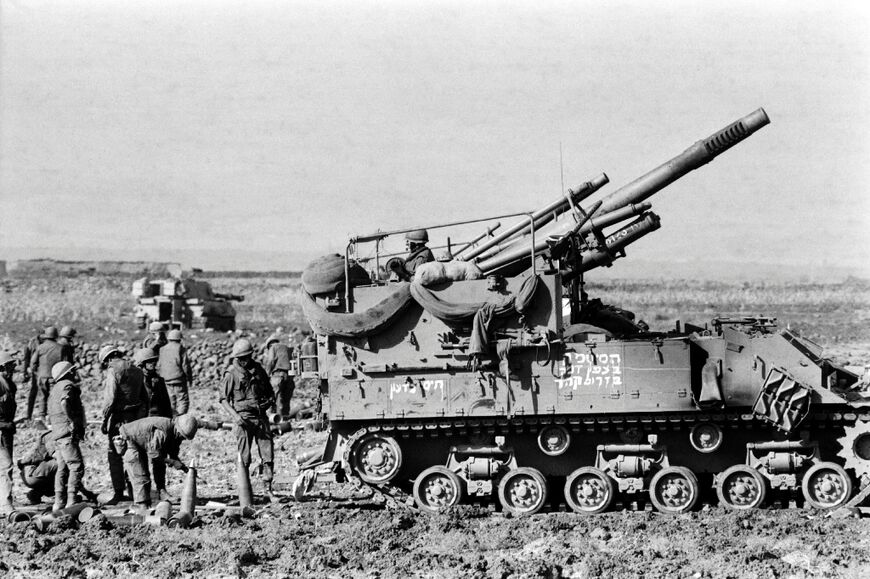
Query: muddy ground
x=344, y=533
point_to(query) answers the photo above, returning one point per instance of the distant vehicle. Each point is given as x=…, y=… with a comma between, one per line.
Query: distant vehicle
x=183, y=303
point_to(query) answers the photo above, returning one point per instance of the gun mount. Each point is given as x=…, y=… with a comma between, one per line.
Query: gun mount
x=494, y=377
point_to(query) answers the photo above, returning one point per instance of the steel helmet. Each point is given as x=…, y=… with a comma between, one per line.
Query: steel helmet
x=143, y=355
x=67, y=332
x=6, y=358
x=186, y=425
x=272, y=339
x=60, y=370
x=107, y=351
x=155, y=327
x=241, y=348
x=50, y=333
x=418, y=236
x=174, y=336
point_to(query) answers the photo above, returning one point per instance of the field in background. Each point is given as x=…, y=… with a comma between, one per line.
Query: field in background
x=834, y=314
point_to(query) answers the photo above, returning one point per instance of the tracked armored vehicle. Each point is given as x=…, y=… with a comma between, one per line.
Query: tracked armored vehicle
x=183, y=303
x=494, y=377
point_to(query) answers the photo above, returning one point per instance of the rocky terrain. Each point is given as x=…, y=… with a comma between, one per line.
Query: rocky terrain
x=343, y=532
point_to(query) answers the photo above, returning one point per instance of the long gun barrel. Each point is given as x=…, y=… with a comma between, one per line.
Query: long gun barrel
x=695, y=156
x=543, y=215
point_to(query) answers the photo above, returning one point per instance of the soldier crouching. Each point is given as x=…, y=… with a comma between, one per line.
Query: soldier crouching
x=246, y=396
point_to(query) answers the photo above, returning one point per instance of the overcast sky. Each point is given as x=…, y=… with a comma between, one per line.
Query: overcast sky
x=288, y=125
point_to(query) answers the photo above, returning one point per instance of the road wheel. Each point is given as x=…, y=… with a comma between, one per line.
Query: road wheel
x=523, y=491
x=438, y=488
x=741, y=487
x=376, y=458
x=589, y=490
x=826, y=486
x=674, y=490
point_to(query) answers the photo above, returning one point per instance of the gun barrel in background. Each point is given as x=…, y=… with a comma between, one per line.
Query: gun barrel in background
x=695, y=156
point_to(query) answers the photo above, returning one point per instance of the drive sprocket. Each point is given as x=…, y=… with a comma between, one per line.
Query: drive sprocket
x=855, y=450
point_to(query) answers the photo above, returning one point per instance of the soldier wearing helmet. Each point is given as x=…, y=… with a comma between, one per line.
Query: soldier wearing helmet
x=246, y=394
x=148, y=445
x=175, y=368
x=67, y=335
x=124, y=400
x=7, y=428
x=67, y=418
x=39, y=468
x=47, y=355
x=155, y=388
x=156, y=338
x=418, y=254
x=277, y=363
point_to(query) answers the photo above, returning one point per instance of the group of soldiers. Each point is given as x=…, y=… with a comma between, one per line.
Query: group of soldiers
x=145, y=414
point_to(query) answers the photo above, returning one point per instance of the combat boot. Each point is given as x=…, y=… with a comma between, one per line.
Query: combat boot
x=268, y=494
x=59, y=501
x=72, y=499
x=34, y=497
x=164, y=495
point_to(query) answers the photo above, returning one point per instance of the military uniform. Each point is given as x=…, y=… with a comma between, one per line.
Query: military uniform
x=278, y=365
x=39, y=469
x=174, y=367
x=67, y=350
x=7, y=432
x=159, y=403
x=249, y=393
x=67, y=419
x=151, y=443
x=416, y=258
x=124, y=400
x=46, y=356
x=29, y=351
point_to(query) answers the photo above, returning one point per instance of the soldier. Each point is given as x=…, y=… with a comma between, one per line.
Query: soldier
x=246, y=395
x=155, y=339
x=418, y=254
x=29, y=351
x=47, y=355
x=278, y=367
x=39, y=468
x=154, y=441
x=67, y=418
x=7, y=428
x=174, y=367
x=124, y=400
x=67, y=334
x=154, y=387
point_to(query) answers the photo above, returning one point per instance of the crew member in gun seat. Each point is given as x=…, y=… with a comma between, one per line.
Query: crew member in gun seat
x=418, y=254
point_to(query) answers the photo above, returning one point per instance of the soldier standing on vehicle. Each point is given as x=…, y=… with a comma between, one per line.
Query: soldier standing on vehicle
x=156, y=338
x=67, y=418
x=278, y=367
x=67, y=335
x=7, y=428
x=418, y=254
x=246, y=394
x=174, y=367
x=145, y=360
x=47, y=355
x=153, y=442
x=124, y=400
x=29, y=351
